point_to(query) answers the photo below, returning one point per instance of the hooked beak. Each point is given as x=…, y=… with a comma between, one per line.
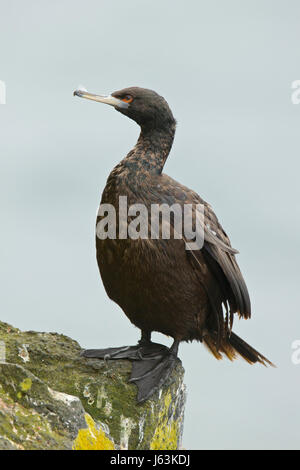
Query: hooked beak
x=111, y=100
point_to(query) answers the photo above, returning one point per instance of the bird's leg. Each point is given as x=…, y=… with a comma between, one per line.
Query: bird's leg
x=145, y=337
x=150, y=375
x=144, y=350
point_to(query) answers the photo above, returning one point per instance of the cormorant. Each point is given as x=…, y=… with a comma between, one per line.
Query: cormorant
x=188, y=294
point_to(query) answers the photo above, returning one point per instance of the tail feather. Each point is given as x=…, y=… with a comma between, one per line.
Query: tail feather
x=232, y=346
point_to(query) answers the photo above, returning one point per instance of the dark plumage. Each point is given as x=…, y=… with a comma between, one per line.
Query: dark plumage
x=161, y=286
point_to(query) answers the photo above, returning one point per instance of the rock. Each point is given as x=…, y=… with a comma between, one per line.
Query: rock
x=51, y=398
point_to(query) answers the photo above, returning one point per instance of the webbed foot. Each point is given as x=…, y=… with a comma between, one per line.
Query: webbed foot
x=142, y=351
x=152, y=363
x=150, y=375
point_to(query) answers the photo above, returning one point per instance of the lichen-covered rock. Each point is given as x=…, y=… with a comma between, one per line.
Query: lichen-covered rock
x=52, y=398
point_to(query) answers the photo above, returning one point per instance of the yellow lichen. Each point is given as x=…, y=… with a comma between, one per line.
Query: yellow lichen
x=165, y=437
x=166, y=433
x=26, y=385
x=92, y=438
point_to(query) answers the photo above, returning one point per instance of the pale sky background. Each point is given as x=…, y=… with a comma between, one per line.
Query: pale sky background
x=226, y=69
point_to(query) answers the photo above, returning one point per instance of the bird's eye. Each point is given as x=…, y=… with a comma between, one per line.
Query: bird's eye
x=127, y=98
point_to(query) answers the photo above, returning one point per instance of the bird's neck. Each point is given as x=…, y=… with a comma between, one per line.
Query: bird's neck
x=152, y=149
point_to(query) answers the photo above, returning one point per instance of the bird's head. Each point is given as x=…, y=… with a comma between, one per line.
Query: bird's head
x=145, y=107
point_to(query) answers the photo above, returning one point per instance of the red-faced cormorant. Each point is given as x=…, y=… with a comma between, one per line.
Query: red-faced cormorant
x=188, y=294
